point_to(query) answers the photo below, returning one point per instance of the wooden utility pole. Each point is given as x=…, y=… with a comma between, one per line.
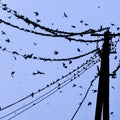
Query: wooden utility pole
x=102, y=105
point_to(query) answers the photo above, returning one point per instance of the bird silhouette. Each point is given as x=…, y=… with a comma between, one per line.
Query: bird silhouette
x=12, y=73
x=86, y=24
x=3, y=33
x=56, y=52
x=98, y=6
x=36, y=13
x=37, y=20
x=78, y=49
x=70, y=62
x=32, y=94
x=7, y=40
x=94, y=91
x=73, y=26
x=65, y=15
x=89, y=103
x=64, y=65
x=38, y=72
x=81, y=21
x=10, y=17
x=74, y=85
x=112, y=24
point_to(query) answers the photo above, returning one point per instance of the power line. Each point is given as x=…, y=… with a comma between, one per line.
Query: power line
x=69, y=80
x=31, y=56
x=28, y=21
x=87, y=63
x=80, y=104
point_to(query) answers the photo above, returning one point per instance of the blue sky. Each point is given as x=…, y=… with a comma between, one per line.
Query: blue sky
x=62, y=104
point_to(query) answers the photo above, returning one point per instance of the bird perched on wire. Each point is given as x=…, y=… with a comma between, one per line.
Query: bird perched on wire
x=56, y=52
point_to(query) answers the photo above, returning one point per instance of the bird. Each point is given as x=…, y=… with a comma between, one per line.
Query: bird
x=37, y=20
x=73, y=26
x=10, y=17
x=36, y=13
x=7, y=40
x=38, y=72
x=35, y=43
x=118, y=28
x=94, y=91
x=78, y=49
x=81, y=21
x=74, y=85
x=64, y=65
x=56, y=52
x=112, y=24
x=3, y=33
x=86, y=24
x=98, y=6
x=70, y=62
x=32, y=94
x=89, y=103
x=65, y=15
x=12, y=73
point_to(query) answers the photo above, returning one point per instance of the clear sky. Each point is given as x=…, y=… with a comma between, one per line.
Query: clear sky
x=17, y=79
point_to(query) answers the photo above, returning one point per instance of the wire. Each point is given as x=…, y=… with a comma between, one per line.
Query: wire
x=88, y=62
x=30, y=56
x=80, y=104
x=28, y=21
x=58, y=88
x=49, y=35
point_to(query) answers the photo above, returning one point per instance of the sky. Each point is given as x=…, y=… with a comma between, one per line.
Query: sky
x=17, y=79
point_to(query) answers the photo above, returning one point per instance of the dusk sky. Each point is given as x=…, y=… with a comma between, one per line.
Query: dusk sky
x=21, y=77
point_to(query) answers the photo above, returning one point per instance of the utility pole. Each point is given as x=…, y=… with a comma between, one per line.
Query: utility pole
x=102, y=105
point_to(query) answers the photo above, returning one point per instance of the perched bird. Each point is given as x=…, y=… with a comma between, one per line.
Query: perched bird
x=65, y=15
x=56, y=52
x=35, y=43
x=32, y=94
x=12, y=73
x=36, y=13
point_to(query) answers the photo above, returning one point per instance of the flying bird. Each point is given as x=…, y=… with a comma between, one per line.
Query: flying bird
x=89, y=103
x=65, y=15
x=78, y=49
x=64, y=65
x=86, y=24
x=12, y=73
x=38, y=72
x=73, y=26
x=36, y=13
x=94, y=91
x=3, y=33
x=81, y=21
x=38, y=20
x=112, y=24
x=74, y=85
x=7, y=40
x=56, y=52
